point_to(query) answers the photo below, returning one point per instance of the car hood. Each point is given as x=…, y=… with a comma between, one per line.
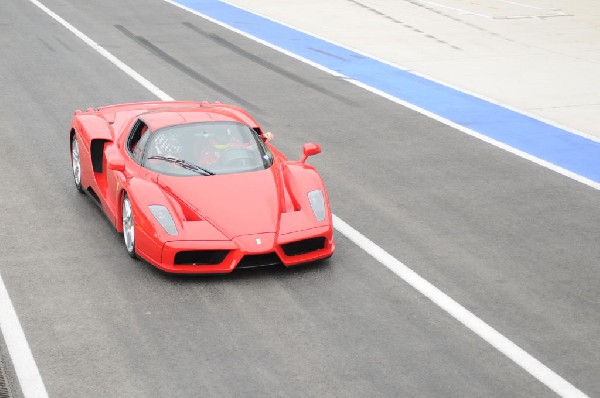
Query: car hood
x=236, y=204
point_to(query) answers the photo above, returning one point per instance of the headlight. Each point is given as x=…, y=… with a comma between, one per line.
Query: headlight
x=317, y=202
x=164, y=218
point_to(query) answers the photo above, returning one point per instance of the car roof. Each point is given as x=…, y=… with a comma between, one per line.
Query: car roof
x=157, y=119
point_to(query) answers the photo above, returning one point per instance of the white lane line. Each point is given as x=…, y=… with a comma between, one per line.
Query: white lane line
x=486, y=332
x=537, y=369
x=523, y=5
x=482, y=137
x=460, y=10
x=102, y=51
x=30, y=380
x=27, y=372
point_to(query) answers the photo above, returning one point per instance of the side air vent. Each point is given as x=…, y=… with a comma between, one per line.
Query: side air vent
x=200, y=257
x=258, y=260
x=96, y=153
x=303, y=246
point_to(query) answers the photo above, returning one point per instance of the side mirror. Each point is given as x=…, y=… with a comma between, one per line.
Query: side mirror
x=114, y=159
x=309, y=150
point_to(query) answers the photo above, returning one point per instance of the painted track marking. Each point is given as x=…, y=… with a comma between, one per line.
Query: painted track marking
x=28, y=373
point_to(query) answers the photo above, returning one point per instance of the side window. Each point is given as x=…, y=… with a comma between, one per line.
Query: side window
x=137, y=140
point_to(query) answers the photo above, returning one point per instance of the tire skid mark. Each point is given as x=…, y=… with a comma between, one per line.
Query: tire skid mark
x=269, y=65
x=186, y=69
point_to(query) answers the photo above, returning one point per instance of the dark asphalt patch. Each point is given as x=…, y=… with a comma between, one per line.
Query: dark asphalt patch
x=4, y=391
x=5, y=388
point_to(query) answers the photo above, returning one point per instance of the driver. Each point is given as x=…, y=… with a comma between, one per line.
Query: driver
x=210, y=147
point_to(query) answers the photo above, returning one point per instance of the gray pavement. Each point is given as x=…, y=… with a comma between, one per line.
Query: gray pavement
x=511, y=241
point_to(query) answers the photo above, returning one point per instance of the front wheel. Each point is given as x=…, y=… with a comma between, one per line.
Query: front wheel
x=76, y=163
x=128, y=227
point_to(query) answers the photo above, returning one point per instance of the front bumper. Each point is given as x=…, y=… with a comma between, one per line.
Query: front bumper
x=244, y=252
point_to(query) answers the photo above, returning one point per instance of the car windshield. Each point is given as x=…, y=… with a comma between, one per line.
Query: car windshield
x=206, y=148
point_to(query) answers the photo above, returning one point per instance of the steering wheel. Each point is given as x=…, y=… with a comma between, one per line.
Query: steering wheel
x=238, y=157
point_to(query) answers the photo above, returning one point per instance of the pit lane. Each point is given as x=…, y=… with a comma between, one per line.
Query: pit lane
x=348, y=328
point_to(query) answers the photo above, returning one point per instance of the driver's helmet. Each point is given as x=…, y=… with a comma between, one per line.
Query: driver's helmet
x=169, y=145
x=222, y=139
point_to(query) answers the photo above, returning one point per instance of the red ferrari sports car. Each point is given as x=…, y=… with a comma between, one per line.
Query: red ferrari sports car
x=196, y=188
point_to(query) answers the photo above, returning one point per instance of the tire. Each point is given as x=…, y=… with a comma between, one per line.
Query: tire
x=76, y=163
x=128, y=227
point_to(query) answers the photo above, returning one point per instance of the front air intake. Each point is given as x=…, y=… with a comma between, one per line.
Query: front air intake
x=258, y=260
x=303, y=246
x=200, y=257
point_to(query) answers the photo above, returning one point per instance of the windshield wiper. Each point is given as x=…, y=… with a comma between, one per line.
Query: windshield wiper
x=185, y=164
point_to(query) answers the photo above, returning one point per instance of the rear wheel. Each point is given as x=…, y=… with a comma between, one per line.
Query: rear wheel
x=128, y=227
x=76, y=163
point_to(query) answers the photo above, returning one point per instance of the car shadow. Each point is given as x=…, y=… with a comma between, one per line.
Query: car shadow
x=260, y=272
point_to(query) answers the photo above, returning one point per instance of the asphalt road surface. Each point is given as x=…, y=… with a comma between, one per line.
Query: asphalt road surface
x=513, y=242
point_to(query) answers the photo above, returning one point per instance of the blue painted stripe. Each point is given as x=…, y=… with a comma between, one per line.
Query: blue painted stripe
x=562, y=148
